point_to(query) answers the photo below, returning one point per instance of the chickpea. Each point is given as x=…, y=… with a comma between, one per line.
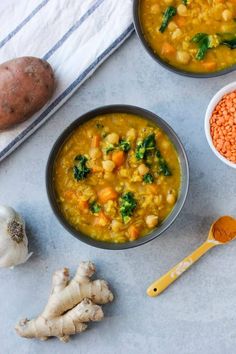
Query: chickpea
x=165, y=144
x=155, y=9
x=171, y=197
x=151, y=221
x=182, y=10
x=106, y=156
x=113, y=138
x=225, y=27
x=90, y=133
x=227, y=15
x=108, y=165
x=95, y=153
x=143, y=169
x=158, y=200
x=131, y=134
x=183, y=57
x=124, y=172
x=109, y=176
x=177, y=33
x=172, y=26
x=116, y=225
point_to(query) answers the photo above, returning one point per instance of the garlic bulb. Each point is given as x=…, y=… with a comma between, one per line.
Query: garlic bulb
x=13, y=239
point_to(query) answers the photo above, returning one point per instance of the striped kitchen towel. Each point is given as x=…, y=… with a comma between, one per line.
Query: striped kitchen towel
x=74, y=36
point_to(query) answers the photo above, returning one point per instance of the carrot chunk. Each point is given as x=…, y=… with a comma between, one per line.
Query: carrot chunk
x=180, y=21
x=95, y=141
x=153, y=188
x=133, y=232
x=118, y=157
x=83, y=204
x=167, y=49
x=209, y=65
x=69, y=194
x=101, y=220
x=106, y=194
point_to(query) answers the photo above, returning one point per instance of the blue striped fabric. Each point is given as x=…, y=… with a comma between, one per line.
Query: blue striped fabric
x=96, y=12
x=72, y=29
x=23, y=23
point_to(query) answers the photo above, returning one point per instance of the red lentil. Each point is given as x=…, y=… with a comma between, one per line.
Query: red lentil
x=223, y=126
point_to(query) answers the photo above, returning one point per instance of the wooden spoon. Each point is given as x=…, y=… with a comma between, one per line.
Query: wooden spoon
x=222, y=231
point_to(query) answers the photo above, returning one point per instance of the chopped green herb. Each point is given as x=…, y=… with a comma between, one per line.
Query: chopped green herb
x=143, y=147
x=167, y=16
x=163, y=167
x=109, y=148
x=205, y=41
x=99, y=126
x=124, y=145
x=127, y=206
x=140, y=151
x=148, y=178
x=228, y=39
x=94, y=207
x=185, y=2
x=104, y=134
x=80, y=169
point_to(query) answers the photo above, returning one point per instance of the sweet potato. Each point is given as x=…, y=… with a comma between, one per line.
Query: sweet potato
x=118, y=157
x=26, y=84
x=107, y=193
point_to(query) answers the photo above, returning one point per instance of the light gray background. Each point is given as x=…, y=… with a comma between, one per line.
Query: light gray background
x=195, y=315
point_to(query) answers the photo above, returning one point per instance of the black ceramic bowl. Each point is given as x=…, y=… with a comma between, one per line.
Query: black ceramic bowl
x=155, y=56
x=118, y=109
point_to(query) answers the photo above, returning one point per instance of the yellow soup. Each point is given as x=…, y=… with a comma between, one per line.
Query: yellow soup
x=192, y=35
x=117, y=177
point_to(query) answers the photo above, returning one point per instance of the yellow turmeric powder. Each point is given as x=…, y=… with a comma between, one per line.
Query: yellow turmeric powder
x=224, y=229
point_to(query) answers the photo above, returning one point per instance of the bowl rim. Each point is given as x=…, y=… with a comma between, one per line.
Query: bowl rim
x=157, y=58
x=129, y=109
x=210, y=108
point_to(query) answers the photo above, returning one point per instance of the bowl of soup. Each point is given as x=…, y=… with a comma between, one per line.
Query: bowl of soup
x=117, y=177
x=195, y=38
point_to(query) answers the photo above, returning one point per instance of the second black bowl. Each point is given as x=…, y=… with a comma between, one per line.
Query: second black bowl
x=157, y=58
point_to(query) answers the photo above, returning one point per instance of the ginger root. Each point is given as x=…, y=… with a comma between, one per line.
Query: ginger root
x=71, y=304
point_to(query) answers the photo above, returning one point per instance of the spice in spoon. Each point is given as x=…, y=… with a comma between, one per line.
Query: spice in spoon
x=224, y=230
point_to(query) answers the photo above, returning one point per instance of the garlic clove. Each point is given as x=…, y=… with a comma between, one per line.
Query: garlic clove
x=13, y=239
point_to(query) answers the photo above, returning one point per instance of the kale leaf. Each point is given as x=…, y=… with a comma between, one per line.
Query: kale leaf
x=124, y=145
x=143, y=147
x=167, y=16
x=109, y=148
x=205, y=41
x=148, y=178
x=80, y=169
x=163, y=167
x=228, y=39
x=94, y=207
x=127, y=206
x=99, y=125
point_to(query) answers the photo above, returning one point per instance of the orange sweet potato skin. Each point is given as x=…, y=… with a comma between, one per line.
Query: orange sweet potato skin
x=26, y=84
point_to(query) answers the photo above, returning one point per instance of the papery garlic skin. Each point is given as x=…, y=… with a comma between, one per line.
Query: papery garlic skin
x=13, y=239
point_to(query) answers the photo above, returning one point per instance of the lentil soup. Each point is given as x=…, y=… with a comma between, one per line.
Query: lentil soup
x=192, y=35
x=117, y=177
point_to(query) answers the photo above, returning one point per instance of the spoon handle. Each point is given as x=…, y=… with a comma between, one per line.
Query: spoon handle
x=162, y=283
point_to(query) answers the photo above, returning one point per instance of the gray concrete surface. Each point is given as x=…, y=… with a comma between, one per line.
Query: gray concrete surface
x=195, y=315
